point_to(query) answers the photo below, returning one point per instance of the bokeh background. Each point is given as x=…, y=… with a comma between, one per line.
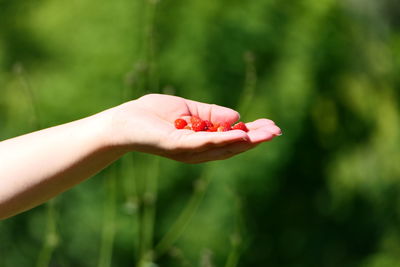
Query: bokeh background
x=326, y=193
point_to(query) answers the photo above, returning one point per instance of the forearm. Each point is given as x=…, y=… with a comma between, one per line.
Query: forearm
x=40, y=165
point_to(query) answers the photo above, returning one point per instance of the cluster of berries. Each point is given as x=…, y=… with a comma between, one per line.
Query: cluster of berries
x=196, y=124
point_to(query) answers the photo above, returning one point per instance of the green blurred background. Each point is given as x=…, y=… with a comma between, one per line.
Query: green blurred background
x=326, y=193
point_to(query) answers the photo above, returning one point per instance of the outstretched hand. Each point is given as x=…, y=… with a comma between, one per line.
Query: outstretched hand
x=147, y=125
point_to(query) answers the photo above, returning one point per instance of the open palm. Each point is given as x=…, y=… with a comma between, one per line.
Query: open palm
x=147, y=125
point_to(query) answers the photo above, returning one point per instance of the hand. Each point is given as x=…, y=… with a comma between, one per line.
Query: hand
x=147, y=125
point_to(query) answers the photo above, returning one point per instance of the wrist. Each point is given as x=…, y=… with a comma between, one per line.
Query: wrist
x=113, y=129
x=102, y=132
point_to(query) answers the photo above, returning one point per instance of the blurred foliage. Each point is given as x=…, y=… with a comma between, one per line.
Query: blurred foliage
x=326, y=193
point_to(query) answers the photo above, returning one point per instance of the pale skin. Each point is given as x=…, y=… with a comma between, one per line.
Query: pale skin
x=40, y=165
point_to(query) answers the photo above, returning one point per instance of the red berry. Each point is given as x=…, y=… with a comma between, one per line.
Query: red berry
x=199, y=126
x=195, y=119
x=180, y=123
x=240, y=126
x=224, y=127
x=209, y=124
x=213, y=128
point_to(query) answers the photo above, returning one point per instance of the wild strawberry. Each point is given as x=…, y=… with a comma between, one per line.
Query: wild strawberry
x=224, y=127
x=209, y=124
x=213, y=128
x=198, y=126
x=180, y=123
x=195, y=119
x=240, y=126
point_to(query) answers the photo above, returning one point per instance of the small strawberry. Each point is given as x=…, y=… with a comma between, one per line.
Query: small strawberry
x=224, y=127
x=195, y=119
x=209, y=124
x=198, y=126
x=213, y=128
x=180, y=123
x=240, y=126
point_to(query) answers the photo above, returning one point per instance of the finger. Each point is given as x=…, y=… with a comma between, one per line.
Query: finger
x=259, y=123
x=172, y=106
x=213, y=113
x=271, y=128
x=262, y=130
x=260, y=135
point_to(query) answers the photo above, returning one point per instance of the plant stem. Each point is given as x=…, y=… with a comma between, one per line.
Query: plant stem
x=108, y=232
x=186, y=215
x=247, y=97
x=149, y=192
x=250, y=83
x=151, y=51
x=148, y=213
x=236, y=238
x=50, y=236
x=31, y=96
